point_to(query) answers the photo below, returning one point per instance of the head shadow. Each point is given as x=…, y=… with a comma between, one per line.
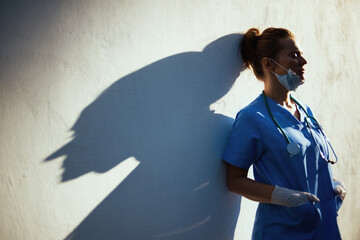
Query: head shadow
x=160, y=115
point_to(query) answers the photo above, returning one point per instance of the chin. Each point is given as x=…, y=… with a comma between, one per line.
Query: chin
x=302, y=77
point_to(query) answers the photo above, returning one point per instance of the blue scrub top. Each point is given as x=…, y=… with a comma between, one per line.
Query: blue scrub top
x=256, y=140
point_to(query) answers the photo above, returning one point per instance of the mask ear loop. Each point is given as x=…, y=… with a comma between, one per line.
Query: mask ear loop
x=287, y=70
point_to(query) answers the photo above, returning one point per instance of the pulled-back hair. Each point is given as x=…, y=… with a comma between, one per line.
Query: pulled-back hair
x=255, y=46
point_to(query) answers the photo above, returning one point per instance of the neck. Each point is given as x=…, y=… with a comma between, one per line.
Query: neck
x=279, y=95
x=276, y=91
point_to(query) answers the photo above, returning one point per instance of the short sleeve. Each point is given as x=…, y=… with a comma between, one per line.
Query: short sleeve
x=245, y=143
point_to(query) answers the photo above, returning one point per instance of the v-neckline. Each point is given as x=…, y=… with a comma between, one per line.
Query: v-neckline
x=298, y=121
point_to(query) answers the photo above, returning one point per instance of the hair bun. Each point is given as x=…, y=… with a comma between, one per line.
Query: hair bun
x=248, y=46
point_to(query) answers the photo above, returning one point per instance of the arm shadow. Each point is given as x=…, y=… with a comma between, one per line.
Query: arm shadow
x=160, y=115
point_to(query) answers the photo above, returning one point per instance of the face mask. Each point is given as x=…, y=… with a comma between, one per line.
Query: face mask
x=290, y=81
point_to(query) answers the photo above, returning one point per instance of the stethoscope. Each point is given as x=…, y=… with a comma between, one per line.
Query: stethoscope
x=293, y=148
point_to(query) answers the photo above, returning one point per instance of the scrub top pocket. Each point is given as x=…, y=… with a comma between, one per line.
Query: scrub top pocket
x=303, y=217
x=283, y=223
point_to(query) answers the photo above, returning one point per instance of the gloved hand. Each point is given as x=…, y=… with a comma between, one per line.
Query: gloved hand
x=291, y=198
x=340, y=189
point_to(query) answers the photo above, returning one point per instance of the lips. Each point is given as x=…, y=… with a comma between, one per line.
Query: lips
x=301, y=72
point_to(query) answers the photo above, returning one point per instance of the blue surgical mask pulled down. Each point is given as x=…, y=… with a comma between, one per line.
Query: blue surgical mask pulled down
x=290, y=81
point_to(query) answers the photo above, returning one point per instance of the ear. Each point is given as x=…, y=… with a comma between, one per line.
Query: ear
x=268, y=64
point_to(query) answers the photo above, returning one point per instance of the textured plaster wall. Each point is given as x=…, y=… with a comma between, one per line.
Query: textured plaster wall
x=114, y=113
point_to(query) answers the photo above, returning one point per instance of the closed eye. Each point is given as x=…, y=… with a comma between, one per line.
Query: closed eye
x=296, y=54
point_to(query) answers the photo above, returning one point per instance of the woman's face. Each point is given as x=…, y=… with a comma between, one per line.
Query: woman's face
x=290, y=57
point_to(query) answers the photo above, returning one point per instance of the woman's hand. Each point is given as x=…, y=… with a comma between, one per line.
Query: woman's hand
x=291, y=198
x=238, y=182
x=339, y=189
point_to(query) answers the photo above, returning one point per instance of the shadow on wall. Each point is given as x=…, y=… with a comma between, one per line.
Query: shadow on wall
x=160, y=115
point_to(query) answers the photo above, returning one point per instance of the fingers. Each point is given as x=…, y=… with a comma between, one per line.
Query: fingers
x=312, y=198
x=340, y=189
x=291, y=198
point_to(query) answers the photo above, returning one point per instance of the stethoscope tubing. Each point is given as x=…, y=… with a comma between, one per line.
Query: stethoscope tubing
x=292, y=144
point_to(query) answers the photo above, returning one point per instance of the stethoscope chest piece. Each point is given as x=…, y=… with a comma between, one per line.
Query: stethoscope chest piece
x=293, y=148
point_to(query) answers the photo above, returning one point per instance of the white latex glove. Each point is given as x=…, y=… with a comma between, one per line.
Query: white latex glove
x=340, y=189
x=291, y=198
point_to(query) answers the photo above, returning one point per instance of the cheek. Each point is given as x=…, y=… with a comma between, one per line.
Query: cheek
x=288, y=62
x=294, y=63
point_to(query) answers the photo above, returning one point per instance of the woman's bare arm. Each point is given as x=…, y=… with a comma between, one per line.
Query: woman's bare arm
x=239, y=183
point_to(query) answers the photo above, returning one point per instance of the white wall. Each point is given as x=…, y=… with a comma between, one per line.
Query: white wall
x=114, y=113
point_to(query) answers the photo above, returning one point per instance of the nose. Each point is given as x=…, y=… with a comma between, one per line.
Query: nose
x=302, y=60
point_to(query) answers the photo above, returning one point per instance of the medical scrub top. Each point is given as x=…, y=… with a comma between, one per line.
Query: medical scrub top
x=256, y=140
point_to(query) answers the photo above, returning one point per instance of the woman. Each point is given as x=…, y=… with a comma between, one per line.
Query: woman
x=289, y=152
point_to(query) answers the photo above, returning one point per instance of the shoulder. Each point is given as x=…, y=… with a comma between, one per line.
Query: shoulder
x=249, y=112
